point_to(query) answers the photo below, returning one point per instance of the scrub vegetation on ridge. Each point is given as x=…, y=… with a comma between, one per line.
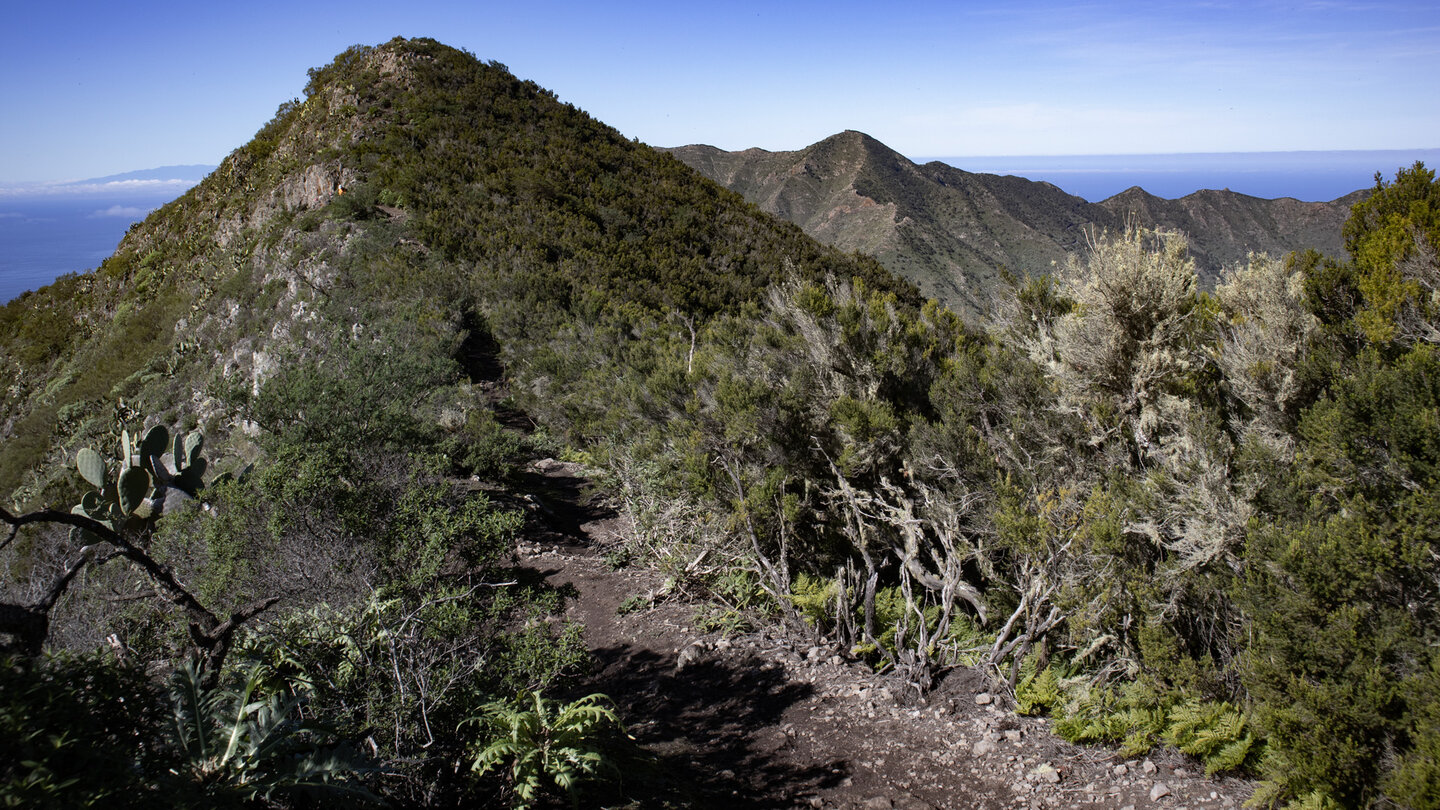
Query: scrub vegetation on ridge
x=1165, y=516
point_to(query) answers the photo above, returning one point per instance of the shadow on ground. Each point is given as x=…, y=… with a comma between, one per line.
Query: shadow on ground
x=564, y=503
x=713, y=729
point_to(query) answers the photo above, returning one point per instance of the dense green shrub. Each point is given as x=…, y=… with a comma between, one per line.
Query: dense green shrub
x=79, y=731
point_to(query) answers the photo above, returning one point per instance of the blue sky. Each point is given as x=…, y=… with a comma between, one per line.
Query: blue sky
x=92, y=89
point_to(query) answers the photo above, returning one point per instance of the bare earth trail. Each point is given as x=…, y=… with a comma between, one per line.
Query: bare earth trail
x=761, y=720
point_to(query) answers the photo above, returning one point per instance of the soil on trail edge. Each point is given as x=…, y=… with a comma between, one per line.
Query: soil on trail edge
x=765, y=720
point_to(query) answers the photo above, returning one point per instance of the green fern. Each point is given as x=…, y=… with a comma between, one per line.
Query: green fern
x=1216, y=733
x=1232, y=756
x=547, y=742
x=1314, y=800
x=813, y=597
x=1188, y=720
x=1085, y=719
x=1268, y=794
x=1037, y=692
x=1141, y=717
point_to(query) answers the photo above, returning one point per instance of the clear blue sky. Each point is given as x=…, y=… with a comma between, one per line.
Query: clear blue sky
x=92, y=88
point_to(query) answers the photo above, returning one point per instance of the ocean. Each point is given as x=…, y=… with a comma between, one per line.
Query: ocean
x=1309, y=176
x=43, y=237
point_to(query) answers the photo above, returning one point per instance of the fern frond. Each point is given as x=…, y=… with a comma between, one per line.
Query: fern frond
x=1038, y=692
x=1231, y=756
x=1226, y=728
x=1137, y=742
x=1314, y=800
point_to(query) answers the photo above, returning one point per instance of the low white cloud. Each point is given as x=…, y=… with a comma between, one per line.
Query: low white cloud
x=126, y=211
x=141, y=187
x=138, y=185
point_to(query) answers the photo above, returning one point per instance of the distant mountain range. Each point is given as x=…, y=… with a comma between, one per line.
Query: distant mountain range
x=167, y=181
x=951, y=231
x=193, y=173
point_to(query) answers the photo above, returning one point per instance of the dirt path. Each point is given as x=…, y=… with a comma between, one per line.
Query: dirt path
x=761, y=720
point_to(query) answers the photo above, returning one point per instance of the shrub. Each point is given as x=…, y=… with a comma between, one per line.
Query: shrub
x=548, y=744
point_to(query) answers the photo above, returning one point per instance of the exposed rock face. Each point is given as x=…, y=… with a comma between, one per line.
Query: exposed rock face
x=312, y=188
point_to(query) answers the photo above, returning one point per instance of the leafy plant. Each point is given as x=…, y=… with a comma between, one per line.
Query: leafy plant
x=633, y=604
x=619, y=557
x=1037, y=692
x=135, y=486
x=1141, y=717
x=547, y=743
x=241, y=745
x=814, y=598
x=728, y=622
x=78, y=731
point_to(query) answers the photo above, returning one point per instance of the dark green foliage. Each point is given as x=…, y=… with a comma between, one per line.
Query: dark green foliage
x=244, y=747
x=483, y=447
x=357, y=203
x=432, y=534
x=1340, y=591
x=414, y=666
x=79, y=731
x=355, y=394
x=1392, y=237
x=1415, y=781
x=83, y=731
x=1398, y=218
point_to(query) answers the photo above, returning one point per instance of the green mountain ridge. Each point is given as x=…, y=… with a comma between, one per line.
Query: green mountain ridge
x=950, y=231
x=203, y=261
x=1167, y=509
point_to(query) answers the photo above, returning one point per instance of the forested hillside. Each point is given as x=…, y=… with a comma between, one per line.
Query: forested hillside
x=1162, y=515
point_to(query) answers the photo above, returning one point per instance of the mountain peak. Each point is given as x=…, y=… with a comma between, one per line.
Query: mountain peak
x=854, y=144
x=951, y=231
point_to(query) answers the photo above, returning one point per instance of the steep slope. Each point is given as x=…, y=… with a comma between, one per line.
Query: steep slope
x=411, y=174
x=950, y=231
x=1224, y=225
x=946, y=230
x=342, y=302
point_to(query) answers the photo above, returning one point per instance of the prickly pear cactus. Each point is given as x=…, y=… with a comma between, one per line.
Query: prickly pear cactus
x=133, y=488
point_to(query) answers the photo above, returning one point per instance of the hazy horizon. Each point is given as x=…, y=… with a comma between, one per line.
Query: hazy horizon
x=1139, y=163
x=1307, y=175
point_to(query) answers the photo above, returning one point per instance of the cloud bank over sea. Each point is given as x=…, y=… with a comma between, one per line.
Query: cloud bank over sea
x=48, y=229
x=165, y=181
x=149, y=188
x=131, y=212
